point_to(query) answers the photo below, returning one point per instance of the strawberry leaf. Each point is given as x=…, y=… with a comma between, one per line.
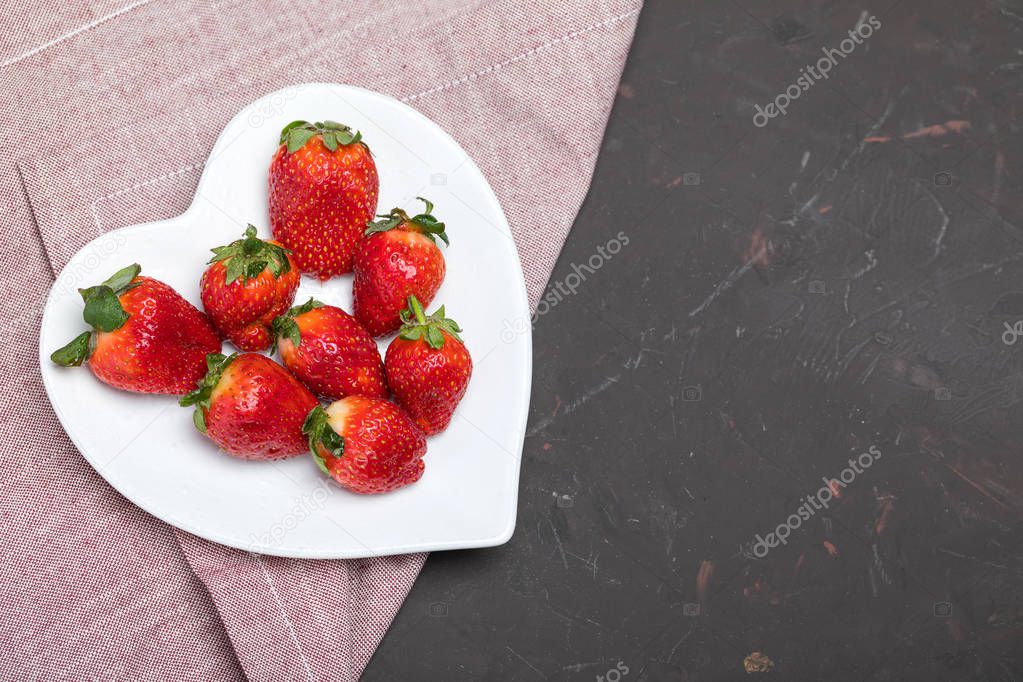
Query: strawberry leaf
x=297, y=133
x=235, y=269
x=284, y=326
x=317, y=427
x=428, y=224
x=253, y=269
x=333, y=442
x=120, y=280
x=216, y=363
x=199, y=420
x=288, y=128
x=431, y=227
x=412, y=334
x=320, y=463
x=433, y=328
x=348, y=137
x=389, y=223
x=103, y=310
x=425, y=223
x=247, y=257
x=278, y=266
x=74, y=353
x=305, y=307
x=298, y=137
x=214, y=360
x=434, y=337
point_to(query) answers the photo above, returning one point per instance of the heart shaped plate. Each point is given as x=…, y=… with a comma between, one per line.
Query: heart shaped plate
x=146, y=447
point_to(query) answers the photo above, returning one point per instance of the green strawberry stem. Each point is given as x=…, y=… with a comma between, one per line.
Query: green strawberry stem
x=286, y=327
x=216, y=363
x=417, y=325
x=417, y=309
x=246, y=258
x=74, y=353
x=334, y=134
x=317, y=427
x=425, y=222
x=103, y=312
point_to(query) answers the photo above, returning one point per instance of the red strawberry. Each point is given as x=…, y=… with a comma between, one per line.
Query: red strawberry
x=398, y=258
x=368, y=445
x=146, y=338
x=248, y=284
x=428, y=367
x=251, y=407
x=330, y=352
x=323, y=191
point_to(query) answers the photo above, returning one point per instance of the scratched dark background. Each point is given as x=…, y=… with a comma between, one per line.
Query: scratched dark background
x=838, y=279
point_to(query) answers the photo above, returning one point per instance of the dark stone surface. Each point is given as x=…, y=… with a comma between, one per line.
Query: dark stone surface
x=790, y=296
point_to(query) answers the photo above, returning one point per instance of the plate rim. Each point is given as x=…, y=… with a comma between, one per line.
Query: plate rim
x=511, y=513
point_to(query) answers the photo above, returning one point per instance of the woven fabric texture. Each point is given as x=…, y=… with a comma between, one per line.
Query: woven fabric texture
x=111, y=108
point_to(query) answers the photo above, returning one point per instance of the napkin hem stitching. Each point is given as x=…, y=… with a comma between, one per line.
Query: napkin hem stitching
x=71, y=34
x=137, y=186
x=522, y=55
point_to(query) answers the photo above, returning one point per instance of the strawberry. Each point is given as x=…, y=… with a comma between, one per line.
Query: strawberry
x=330, y=352
x=323, y=191
x=398, y=258
x=145, y=337
x=249, y=283
x=368, y=445
x=428, y=367
x=251, y=407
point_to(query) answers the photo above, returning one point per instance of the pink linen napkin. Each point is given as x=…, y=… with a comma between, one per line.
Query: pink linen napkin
x=111, y=110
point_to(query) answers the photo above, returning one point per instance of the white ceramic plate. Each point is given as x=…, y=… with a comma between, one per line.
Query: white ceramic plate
x=146, y=446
